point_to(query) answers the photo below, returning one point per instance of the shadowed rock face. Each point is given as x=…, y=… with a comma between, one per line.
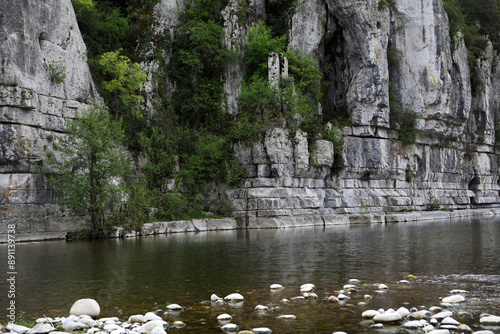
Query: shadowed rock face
x=38, y=40
x=363, y=48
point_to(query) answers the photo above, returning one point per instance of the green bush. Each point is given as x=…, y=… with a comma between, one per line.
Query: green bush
x=56, y=69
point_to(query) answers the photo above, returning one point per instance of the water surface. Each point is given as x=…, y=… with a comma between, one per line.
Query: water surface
x=129, y=276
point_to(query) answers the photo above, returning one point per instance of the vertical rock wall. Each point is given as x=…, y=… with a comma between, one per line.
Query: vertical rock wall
x=38, y=40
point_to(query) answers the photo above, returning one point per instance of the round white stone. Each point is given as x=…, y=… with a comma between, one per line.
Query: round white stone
x=230, y=328
x=413, y=324
x=85, y=306
x=349, y=286
x=308, y=287
x=88, y=321
x=179, y=324
x=383, y=287
x=214, y=297
x=224, y=317
x=151, y=316
x=449, y=321
x=136, y=318
x=354, y=281
x=261, y=308
x=310, y=295
x=387, y=316
x=276, y=286
x=287, y=317
x=403, y=311
x=370, y=313
x=110, y=327
x=453, y=299
x=439, y=331
x=174, y=307
x=148, y=327
x=262, y=330
x=41, y=329
x=234, y=297
x=491, y=320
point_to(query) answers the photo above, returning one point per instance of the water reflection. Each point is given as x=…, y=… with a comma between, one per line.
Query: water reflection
x=132, y=275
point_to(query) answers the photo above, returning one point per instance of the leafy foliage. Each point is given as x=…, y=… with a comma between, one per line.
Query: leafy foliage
x=88, y=166
x=57, y=71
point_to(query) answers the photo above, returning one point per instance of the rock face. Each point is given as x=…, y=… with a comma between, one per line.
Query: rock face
x=39, y=43
x=365, y=47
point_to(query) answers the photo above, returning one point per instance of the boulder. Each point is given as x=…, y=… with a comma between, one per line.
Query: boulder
x=85, y=306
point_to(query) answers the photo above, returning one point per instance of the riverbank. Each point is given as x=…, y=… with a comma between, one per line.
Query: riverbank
x=213, y=224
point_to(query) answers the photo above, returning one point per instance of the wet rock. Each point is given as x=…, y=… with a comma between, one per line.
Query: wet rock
x=354, y=281
x=262, y=330
x=465, y=316
x=276, y=287
x=224, y=317
x=287, y=317
x=230, y=328
x=119, y=330
x=370, y=313
x=310, y=295
x=214, y=297
x=453, y=299
x=387, y=316
x=442, y=315
x=261, y=308
x=449, y=321
x=422, y=314
x=174, y=307
x=413, y=324
x=383, y=287
x=464, y=328
x=85, y=306
x=490, y=320
x=41, y=329
x=403, y=311
x=333, y=299
x=179, y=324
x=111, y=327
x=308, y=287
x=234, y=297
x=44, y=320
x=484, y=332
x=88, y=321
x=440, y=331
x=70, y=325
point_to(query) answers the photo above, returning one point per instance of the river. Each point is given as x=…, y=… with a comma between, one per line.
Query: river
x=130, y=276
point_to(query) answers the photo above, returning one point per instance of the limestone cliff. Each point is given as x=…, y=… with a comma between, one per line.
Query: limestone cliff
x=44, y=82
x=288, y=182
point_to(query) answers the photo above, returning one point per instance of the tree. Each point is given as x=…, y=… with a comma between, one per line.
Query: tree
x=88, y=165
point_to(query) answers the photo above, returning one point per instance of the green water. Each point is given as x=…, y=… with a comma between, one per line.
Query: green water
x=130, y=276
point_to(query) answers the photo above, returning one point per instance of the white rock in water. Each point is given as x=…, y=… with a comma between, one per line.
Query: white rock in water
x=458, y=292
x=136, y=318
x=261, y=308
x=422, y=314
x=453, y=299
x=148, y=327
x=484, y=332
x=174, y=307
x=214, y=297
x=287, y=317
x=85, y=306
x=413, y=324
x=354, y=281
x=234, y=297
x=403, y=311
x=41, y=329
x=276, y=286
x=224, y=317
x=340, y=333
x=491, y=320
x=383, y=287
x=158, y=330
x=349, y=286
x=151, y=316
x=308, y=287
x=109, y=320
x=388, y=316
x=370, y=313
x=310, y=295
x=341, y=296
x=449, y=321
x=179, y=324
x=262, y=330
x=229, y=328
x=93, y=330
x=44, y=320
x=404, y=281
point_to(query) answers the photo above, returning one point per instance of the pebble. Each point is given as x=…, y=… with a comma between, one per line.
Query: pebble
x=387, y=316
x=214, y=297
x=136, y=318
x=234, y=297
x=261, y=308
x=453, y=299
x=370, y=313
x=158, y=330
x=174, y=307
x=308, y=287
x=224, y=317
x=179, y=324
x=490, y=320
x=111, y=327
x=413, y=324
x=262, y=330
x=85, y=306
x=310, y=295
x=229, y=328
x=276, y=286
x=287, y=317
x=383, y=287
x=148, y=327
x=439, y=331
x=333, y=299
x=151, y=316
x=350, y=286
x=449, y=321
x=41, y=329
x=442, y=315
x=403, y=311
